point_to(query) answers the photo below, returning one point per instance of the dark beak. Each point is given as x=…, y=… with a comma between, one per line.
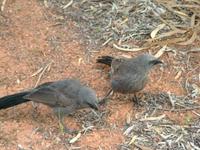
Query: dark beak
x=94, y=106
x=156, y=62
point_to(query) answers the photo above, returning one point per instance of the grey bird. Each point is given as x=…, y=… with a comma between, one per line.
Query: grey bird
x=129, y=75
x=64, y=96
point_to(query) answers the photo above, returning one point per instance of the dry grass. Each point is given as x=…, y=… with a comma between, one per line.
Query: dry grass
x=150, y=22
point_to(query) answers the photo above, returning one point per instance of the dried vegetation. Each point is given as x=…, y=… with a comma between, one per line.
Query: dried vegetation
x=120, y=23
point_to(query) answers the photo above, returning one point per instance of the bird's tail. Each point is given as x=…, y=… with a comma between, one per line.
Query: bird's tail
x=12, y=100
x=107, y=60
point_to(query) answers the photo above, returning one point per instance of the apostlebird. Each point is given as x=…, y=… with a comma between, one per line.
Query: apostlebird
x=129, y=75
x=64, y=96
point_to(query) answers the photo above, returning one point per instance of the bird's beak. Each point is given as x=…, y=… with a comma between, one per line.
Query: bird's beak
x=156, y=61
x=94, y=106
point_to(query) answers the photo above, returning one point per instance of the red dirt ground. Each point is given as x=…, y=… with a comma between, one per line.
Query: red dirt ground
x=29, y=40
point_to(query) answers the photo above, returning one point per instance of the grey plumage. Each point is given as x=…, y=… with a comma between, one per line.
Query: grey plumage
x=129, y=75
x=69, y=94
x=65, y=96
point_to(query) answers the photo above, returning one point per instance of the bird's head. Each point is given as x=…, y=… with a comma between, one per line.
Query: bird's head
x=149, y=60
x=88, y=98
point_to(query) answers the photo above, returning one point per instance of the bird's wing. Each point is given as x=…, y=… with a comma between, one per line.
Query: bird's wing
x=126, y=81
x=49, y=96
x=116, y=64
x=126, y=78
x=44, y=84
x=69, y=88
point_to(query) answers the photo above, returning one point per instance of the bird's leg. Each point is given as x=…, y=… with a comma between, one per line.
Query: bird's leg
x=35, y=105
x=104, y=100
x=135, y=100
x=34, y=112
x=62, y=126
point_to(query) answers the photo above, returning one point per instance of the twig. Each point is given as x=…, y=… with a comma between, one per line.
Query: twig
x=178, y=126
x=196, y=147
x=165, y=22
x=73, y=140
x=187, y=6
x=171, y=100
x=74, y=148
x=194, y=112
x=156, y=30
x=37, y=72
x=153, y=118
x=194, y=50
x=46, y=3
x=129, y=49
x=64, y=7
x=128, y=131
x=183, y=109
x=47, y=67
x=42, y=70
x=107, y=41
x=179, y=138
x=193, y=70
x=142, y=147
x=160, y=52
x=3, y=5
x=85, y=129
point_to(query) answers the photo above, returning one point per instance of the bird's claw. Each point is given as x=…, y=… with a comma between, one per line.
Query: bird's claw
x=70, y=131
x=64, y=129
x=136, y=102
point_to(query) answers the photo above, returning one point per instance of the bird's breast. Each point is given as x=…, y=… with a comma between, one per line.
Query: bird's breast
x=128, y=85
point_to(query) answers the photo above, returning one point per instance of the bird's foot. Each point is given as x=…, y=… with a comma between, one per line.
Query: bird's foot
x=103, y=101
x=64, y=129
x=136, y=102
x=35, y=113
x=70, y=131
x=106, y=98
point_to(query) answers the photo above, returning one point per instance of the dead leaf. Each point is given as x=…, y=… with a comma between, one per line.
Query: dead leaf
x=73, y=140
x=156, y=30
x=153, y=118
x=187, y=6
x=151, y=42
x=181, y=13
x=196, y=89
x=160, y=52
x=142, y=147
x=170, y=33
x=80, y=61
x=132, y=140
x=69, y=4
x=196, y=1
x=193, y=20
x=178, y=75
x=130, y=49
x=190, y=41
